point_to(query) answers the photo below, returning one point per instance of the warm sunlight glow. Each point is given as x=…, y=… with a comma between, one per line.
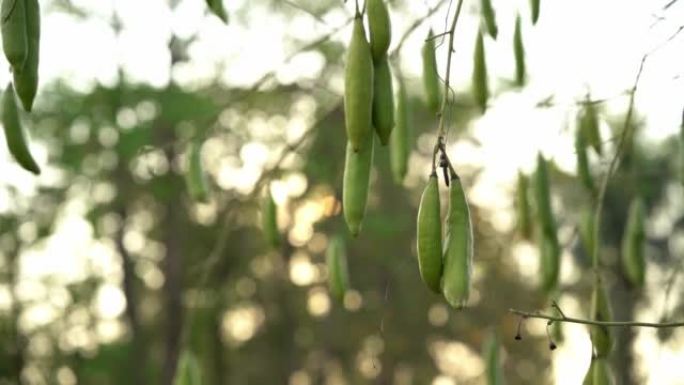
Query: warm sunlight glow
x=240, y=324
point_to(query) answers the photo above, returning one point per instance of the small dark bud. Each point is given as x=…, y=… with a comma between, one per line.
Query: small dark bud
x=518, y=337
x=552, y=346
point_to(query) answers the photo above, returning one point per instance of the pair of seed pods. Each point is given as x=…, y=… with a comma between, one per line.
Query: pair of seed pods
x=368, y=107
x=445, y=267
x=547, y=238
x=431, y=81
x=20, y=26
x=368, y=95
x=21, y=42
x=634, y=245
x=587, y=136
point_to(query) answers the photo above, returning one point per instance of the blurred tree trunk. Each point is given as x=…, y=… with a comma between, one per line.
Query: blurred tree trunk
x=172, y=269
x=138, y=356
x=624, y=300
x=172, y=265
x=17, y=338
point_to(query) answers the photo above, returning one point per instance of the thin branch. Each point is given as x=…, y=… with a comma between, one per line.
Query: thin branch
x=294, y=5
x=417, y=23
x=267, y=76
x=452, y=29
x=626, y=129
x=527, y=315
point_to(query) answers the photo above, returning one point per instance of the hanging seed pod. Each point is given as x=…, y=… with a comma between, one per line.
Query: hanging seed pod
x=26, y=77
x=14, y=132
x=358, y=88
x=14, y=32
x=269, y=220
x=522, y=205
x=195, y=177
x=431, y=81
x=491, y=356
x=583, y=161
x=480, y=90
x=542, y=194
x=380, y=29
x=602, y=372
x=634, y=245
x=489, y=17
x=430, y=235
x=338, y=273
x=216, y=7
x=458, y=247
x=400, y=140
x=589, y=126
x=587, y=232
x=189, y=371
x=383, y=101
x=519, y=53
x=534, y=7
x=356, y=184
x=601, y=337
x=550, y=261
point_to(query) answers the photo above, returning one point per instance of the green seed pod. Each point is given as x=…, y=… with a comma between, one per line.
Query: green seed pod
x=26, y=78
x=491, y=356
x=430, y=235
x=195, y=177
x=602, y=373
x=216, y=7
x=358, y=88
x=14, y=132
x=269, y=220
x=189, y=371
x=550, y=261
x=383, y=101
x=583, y=161
x=601, y=337
x=14, y=39
x=480, y=90
x=589, y=377
x=338, y=273
x=542, y=194
x=380, y=29
x=587, y=232
x=634, y=245
x=534, y=7
x=400, y=140
x=522, y=205
x=519, y=53
x=356, y=183
x=458, y=247
x=433, y=95
x=589, y=125
x=489, y=17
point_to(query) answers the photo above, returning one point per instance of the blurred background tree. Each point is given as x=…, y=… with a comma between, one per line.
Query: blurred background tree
x=109, y=270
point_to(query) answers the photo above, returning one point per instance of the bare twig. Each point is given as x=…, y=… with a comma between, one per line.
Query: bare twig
x=527, y=315
x=417, y=23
